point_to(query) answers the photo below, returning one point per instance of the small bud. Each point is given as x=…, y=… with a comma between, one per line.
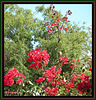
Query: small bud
x=91, y=69
x=69, y=12
x=53, y=7
x=63, y=73
x=60, y=28
x=65, y=29
x=56, y=21
x=52, y=17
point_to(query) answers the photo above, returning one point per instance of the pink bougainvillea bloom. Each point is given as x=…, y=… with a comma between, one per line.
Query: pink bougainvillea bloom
x=83, y=86
x=68, y=20
x=37, y=58
x=84, y=77
x=91, y=69
x=60, y=27
x=68, y=86
x=50, y=26
x=53, y=12
x=73, y=60
x=41, y=79
x=53, y=92
x=75, y=65
x=57, y=82
x=9, y=77
x=71, y=67
x=19, y=81
x=59, y=70
x=56, y=21
x=78, y=60
x=52, y=16
x=38, y=95
x=65, y=29
x=65, y=60
x=53, y=83
x=58, y=17
x=49, y=29
x=63, y=18
x=74, y=77
x=63, y=73
x=90, y=61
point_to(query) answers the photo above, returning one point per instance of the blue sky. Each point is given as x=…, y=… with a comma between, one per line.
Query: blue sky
x=80, y=12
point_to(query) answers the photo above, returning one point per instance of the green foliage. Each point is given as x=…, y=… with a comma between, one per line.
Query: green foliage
x=19, y=27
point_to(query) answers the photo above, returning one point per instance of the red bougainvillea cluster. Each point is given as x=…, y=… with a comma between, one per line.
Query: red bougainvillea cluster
x=64, y=61
x=13, y=73
x=37, y=58
x=51, y=92
x=58, y=19
x=84, y=85
x=52, y=75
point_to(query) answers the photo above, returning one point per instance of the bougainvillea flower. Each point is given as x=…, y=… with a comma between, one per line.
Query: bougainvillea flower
x=91, y=69
x=65, y=29
x=83, y=86
x=51, y=92
x=9, y=77
x=78, y=60
x=58, y=17
x=37, y=58
x=56, y=21
x=73, y=60
x=90, y=61
x=52, y=16
x=19, y=81
x=41, y=79
x=53, y=83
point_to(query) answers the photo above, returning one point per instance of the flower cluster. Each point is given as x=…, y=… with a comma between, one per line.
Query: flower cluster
x=51, y=92
x=74, y=77
x=55, y=79
x=37, y=58
x=9, y=77
x=58, y=19
x=83, y=86
x=64, y=59
x=84, y=77
x=68, y=86
x=50, y=73
x=41, y=79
